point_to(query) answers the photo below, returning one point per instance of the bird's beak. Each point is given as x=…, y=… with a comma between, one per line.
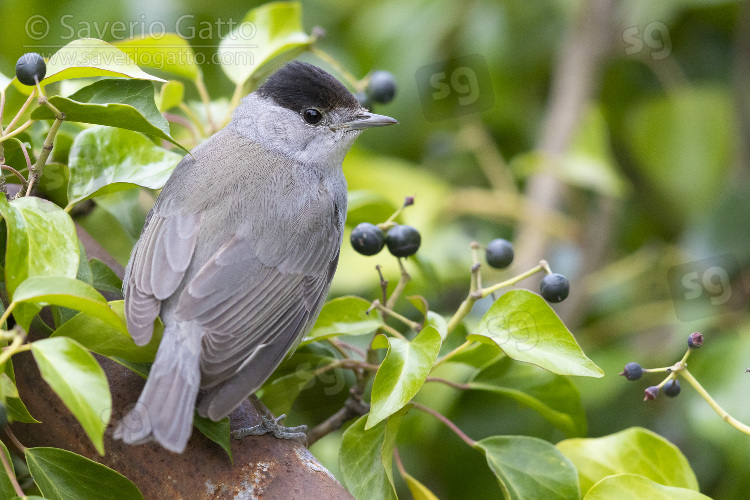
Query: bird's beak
x=368, y=120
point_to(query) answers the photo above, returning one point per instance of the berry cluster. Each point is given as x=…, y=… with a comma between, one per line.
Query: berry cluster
x=31, y=68
x=402, y=240
x=671, y=386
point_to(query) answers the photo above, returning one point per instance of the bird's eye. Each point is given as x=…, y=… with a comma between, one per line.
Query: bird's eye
x=312, y=116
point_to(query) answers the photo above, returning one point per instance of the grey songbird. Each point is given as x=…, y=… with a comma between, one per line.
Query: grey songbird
x=238, y=253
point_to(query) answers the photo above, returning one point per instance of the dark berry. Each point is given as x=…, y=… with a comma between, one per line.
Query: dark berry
x=695, y=340
x=632, y=371
x=367, y=239
x=382, y=87
x=651, y=393
x=554, y=288
x=363, y=100
x=30, y=68
x=403, y=241
x=499, y=253
x=672, y=388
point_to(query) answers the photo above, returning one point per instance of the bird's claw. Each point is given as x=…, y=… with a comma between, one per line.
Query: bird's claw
x=272, y=425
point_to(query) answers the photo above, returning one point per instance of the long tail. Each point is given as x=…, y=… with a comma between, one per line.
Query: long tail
x=164, y=411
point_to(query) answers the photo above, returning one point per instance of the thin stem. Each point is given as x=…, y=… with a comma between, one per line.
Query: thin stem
x=2, y=110
x=347, y=345
x=449, y=383
x=512, y=281
x=21, y=111
x=353, y=407
x=339, y=348
x=15, y=440
x=392, y=331
x=411, y=324
x=25, y=153
x=400, y=286
x=193, y=118
x=321, y=54
x=383, y=284
x=186, y=123
x=14, y=172
x=7, y=312
x=36, y=171
x=11, y=475
x=26, y=124
x=713, y=404
x=446, y=421
x=399, y=463
x=205, y=99
x=455, y=351
x=349, y=364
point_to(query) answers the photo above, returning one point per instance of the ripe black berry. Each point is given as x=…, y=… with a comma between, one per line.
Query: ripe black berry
x=30, y=68
x=695, y=340
x=554, y=288
x=499, y=253
x=632, y=371
x=672, y=388
x=382, y=87
x=367, y=239
x=651, y=393
x=403, y=241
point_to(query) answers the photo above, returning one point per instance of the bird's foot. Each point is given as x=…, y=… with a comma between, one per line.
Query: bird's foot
x=270, y=425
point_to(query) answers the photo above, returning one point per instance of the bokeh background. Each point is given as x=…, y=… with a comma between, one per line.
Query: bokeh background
x=611, y=138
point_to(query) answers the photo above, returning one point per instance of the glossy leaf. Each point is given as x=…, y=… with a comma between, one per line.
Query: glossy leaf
x=6, y=487
x=169, y=52
x=170, y=95
x=75, y=376
x=104, y=339
x=87, y=57
x=436, y=320
x=104, y=278
x=554, y=397
x=526, y=328
x=105, y=160
x=344, y=316
x=62, y=475
x=218, y=432
x=402, y=373
x=17, y=411
x=528, y=467
x=126, y=206
x=266, y=32
x=68, y=292
x=418, y=490
x=366, y=458
x=42, y=241
x=127, y=104
x=635, y=487
x=292, y=376
x=634, y=450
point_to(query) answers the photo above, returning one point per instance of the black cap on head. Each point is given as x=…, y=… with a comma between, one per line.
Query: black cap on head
x=299, y=86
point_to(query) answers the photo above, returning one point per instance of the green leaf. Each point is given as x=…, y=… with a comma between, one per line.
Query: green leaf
x=418, y=490
x=127, y=104
x=67, y=292
x=62, y=475
x=344, y=316
x=366, y=458
x=366, y=206
x=41, y=241
x=73, y=373
x=6, y=487
x=526, y=328
x=104, y=339
x=266, y=32
x=104, y=278
x=554, y=397
x=218, y=432
x=17, y=411
x=169, y=52
x=634, y=450
x=528, y=467
x=402, y=373
x=439, y=322
x=635, y=487
x=281, y=390
x=170, y=95
x=89, y=57
x=126, y=207
x=4, y=81
x=105, y=160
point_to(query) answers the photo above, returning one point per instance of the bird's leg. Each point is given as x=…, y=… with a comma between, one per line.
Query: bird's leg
x=269, y=424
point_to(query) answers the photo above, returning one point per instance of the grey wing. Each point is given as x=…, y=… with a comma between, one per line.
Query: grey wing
x=156, y=269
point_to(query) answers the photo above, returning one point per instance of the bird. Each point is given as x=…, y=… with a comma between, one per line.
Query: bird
x=238, y=252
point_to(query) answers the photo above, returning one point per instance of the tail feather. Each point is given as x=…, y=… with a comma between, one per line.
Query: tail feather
x=164, y=411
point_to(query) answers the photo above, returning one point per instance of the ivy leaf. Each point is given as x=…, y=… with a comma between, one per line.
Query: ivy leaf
x=344, y=316
x=41, y=241
x=266, y=32
x=281, y=390
x=418, y=490
x=126, y=206
x=104, y=278
x=169, y=52
x=365, y=206
x=218, y=432
x=528, y=467
x=554, y=397
x=635, y=487
x=170, y=95
x=634, y=450
x=102, y=338
x=402, y=373
x=62, y=475
x=366, y=458
x=526, y=328
x=6, y=487
x=17, y=411
x=73, y=373
x=127, y=104
x=105, y=160
x=70, y=293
